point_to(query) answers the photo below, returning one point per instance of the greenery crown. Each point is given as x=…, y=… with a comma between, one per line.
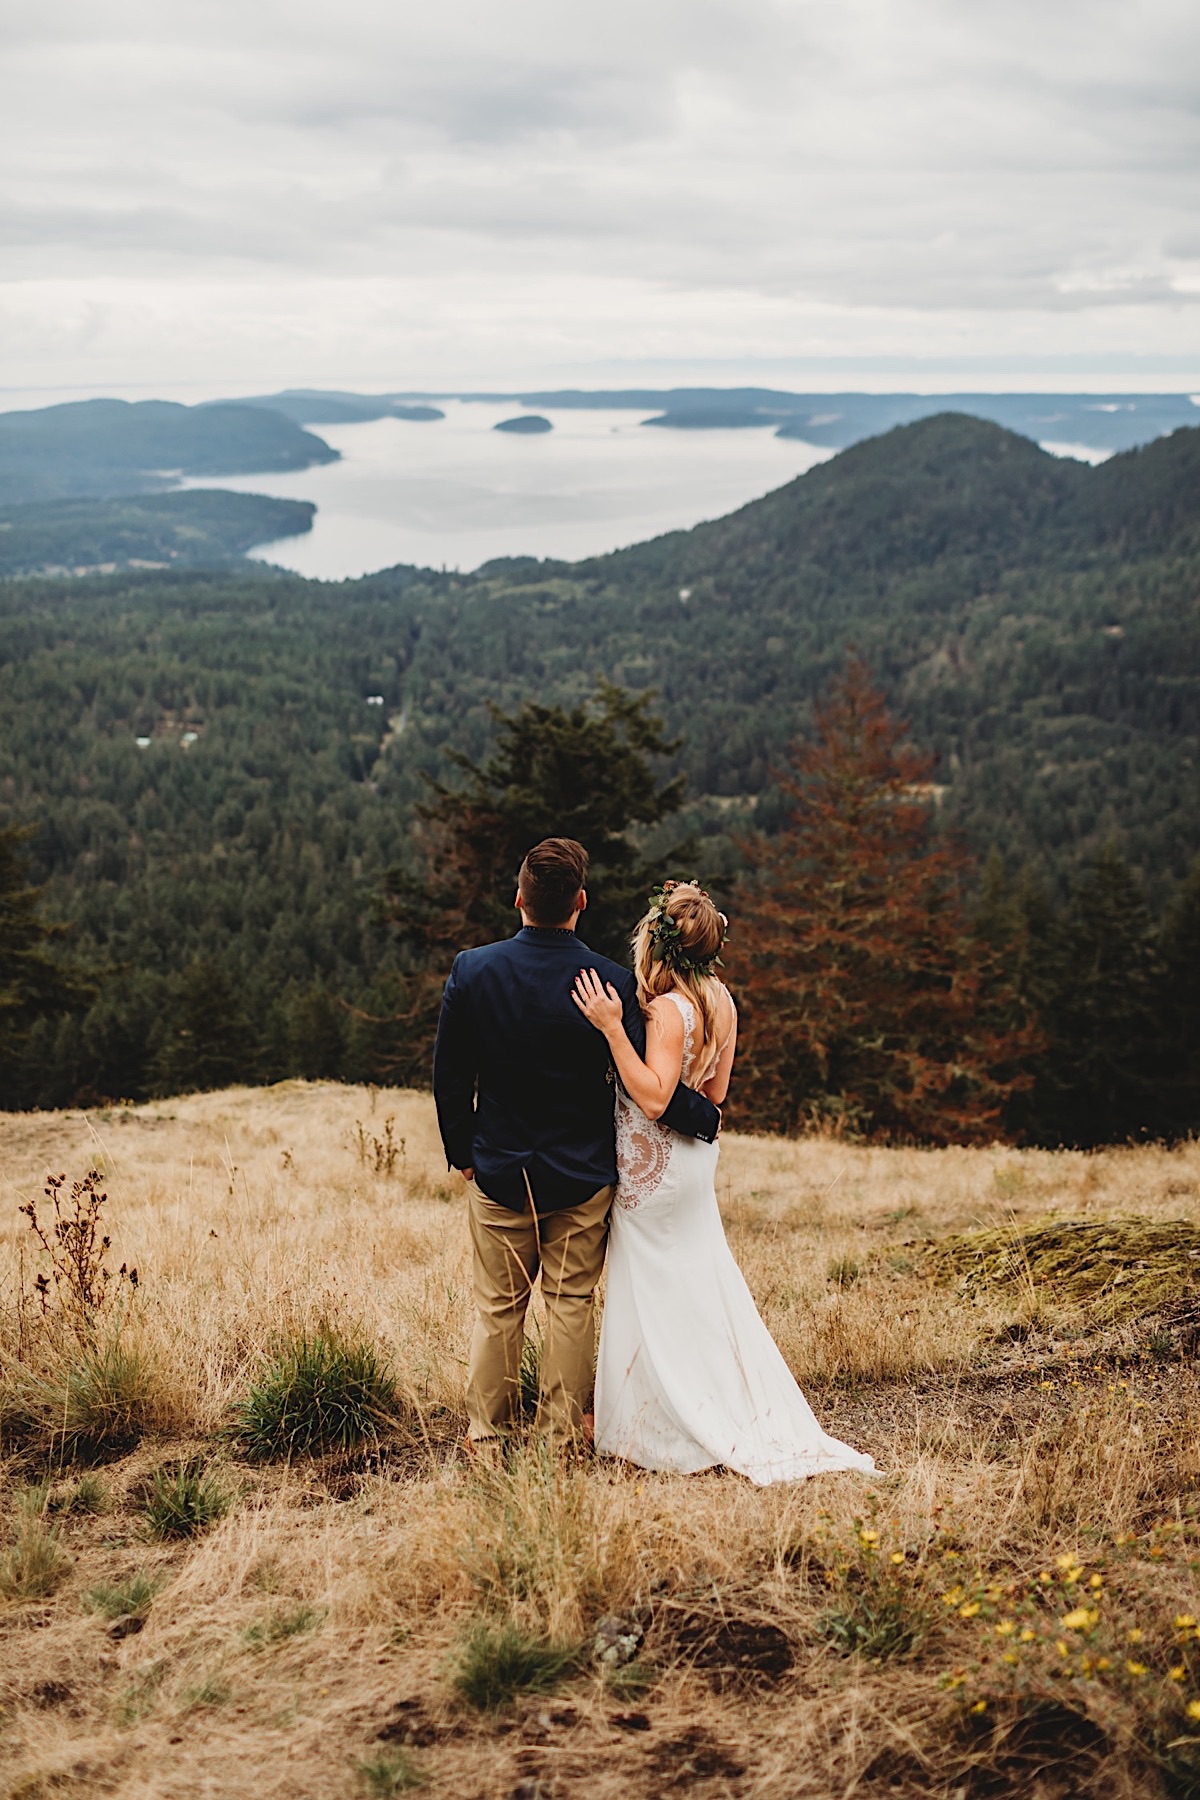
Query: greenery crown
x=666, y=934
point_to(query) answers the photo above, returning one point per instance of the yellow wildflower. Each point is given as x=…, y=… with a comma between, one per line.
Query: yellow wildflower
x=1135, y=1634
x=1044, y=1577
x=1177, y=1673
x=869, y=1537
x=1103, y=1664
x=952, y=1596
x=1184, y=1621
x=1060, y=1644
x=1135, y=1668
x=1193, y=1709
x=1010, y=1656
x=1005, y=1628
x=980, y=1706
x=1028, y=1636
x=1097, y=1581
x=897, y=1556
x=969, y=1610
x=1082, y=1619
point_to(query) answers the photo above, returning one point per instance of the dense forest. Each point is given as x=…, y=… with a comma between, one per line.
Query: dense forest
x=223, y=769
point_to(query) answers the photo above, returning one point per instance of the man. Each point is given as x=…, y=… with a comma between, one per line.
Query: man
x=525, y=1107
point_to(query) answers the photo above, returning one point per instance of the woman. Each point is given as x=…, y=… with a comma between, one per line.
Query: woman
x=689, y=1376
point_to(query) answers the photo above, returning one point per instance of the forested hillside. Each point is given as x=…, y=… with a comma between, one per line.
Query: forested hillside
x=199, y=525
x=102, y=447
x=1036, y=620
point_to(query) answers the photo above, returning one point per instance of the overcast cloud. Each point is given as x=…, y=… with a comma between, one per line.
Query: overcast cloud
x=255, y=193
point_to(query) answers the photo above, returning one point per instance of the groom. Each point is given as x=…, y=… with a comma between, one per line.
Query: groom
x=524, y=1095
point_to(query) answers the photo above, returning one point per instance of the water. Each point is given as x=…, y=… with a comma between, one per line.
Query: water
x=454, y=493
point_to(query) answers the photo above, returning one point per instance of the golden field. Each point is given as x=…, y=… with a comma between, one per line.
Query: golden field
x=1011, y=1605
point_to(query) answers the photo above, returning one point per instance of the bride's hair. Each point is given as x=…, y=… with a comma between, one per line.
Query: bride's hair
x=676, y=944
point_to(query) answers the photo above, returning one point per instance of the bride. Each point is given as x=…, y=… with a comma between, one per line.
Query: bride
x=688, y=1376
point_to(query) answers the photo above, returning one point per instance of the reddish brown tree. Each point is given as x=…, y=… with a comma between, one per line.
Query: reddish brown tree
x=868, y=1004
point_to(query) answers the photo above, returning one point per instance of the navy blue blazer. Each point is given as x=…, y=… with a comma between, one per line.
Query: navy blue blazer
x=523, y=1083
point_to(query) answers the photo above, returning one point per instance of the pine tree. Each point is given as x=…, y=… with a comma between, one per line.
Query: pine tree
x=868, y=1003
x=1097, y=982
x=210, y=1042
x=1180, y=1009
x=34, y=983
x=585, y=772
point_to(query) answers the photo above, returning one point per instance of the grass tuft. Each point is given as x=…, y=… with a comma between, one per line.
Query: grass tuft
x=184, y=1502
x=395, y=1773
x=34, y=1564
x=282, y=1625
x=498, y=1662
x=119, y=1599
x=320, y=1392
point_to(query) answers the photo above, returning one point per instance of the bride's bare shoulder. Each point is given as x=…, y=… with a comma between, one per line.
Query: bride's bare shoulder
x=664, y=1015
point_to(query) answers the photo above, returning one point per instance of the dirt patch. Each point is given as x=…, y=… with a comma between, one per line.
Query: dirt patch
x=733, y=1652
x=693, y=1756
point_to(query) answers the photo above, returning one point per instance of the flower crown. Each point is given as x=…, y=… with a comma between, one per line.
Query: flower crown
x=666, y=934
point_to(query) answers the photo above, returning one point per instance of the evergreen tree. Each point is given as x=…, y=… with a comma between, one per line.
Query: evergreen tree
x=1096, y=979
x=34, y=983
x=209, y=1042
x=316, y=1033
x=1180, y=1010
x=868, y=1003
x=585, y=772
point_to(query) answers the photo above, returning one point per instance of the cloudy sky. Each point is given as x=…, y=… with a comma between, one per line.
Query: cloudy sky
x=239, y=194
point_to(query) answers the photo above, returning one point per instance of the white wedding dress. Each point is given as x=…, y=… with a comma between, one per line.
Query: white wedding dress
x=688, y=1376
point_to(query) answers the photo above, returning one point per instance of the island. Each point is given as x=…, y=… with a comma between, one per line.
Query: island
x=525, y=425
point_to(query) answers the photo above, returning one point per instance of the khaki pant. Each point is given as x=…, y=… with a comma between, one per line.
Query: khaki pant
x=510, y=1248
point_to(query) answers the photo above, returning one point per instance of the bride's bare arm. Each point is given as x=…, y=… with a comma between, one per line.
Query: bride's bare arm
x=651, y=1083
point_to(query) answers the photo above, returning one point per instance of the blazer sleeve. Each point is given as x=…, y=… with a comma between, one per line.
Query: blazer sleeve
x=687, y=1112
x=691, y=1115
x=454, y=1072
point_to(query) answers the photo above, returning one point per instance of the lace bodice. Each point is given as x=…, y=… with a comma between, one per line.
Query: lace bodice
x=644, y=1145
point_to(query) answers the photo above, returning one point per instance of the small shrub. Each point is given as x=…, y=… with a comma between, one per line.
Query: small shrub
x=122, y=1598
x=396, y=1773
x=875, y=1624
x=844, y=1271
x=324, y=1392
x=34, y=1564
x=75, y=1244
x=379, y=1154
x=184, y=1502
x=498, y=1662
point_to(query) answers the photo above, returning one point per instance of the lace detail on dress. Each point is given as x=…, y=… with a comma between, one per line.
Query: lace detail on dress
x=643, y=1152
x=643, y=1145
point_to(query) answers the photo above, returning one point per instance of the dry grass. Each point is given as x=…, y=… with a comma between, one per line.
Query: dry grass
x=1008, y=1606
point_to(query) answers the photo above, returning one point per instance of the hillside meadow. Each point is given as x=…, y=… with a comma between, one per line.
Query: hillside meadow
x=186, y=1610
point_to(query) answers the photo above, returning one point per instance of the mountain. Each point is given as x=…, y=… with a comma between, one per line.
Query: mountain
x=119, y=447
x=332, y=406
x=221, y=764
x=1100, y=422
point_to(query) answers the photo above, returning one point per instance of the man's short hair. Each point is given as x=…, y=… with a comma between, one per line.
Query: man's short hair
x=550, y=879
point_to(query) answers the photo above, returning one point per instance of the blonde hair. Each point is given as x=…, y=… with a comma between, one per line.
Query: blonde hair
x=701, y=934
